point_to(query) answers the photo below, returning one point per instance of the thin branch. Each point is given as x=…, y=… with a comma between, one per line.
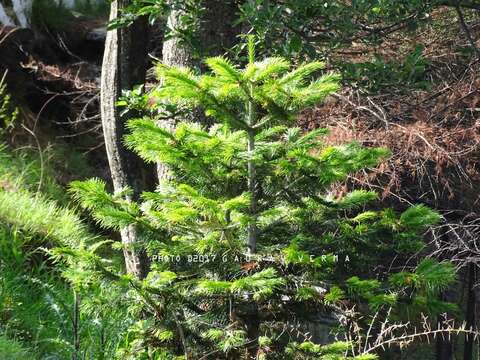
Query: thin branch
x=466, y=30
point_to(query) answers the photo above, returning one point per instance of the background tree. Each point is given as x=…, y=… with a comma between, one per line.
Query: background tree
x=124, y=66
x=195, y=29
x=177, y=50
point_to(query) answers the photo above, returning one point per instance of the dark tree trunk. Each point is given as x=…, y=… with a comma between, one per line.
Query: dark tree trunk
x=470, y=314
x=444, y=349
x=124, y=65
x=443, y=343
x=218, y=32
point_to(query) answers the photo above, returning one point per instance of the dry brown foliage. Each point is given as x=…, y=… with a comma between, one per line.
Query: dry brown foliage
x=434, y=135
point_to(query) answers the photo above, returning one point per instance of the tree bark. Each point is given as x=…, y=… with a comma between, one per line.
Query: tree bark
x=124, y=65
x=444, y=349
x=174, y=53
x=4, y=18
x=470, y=316
x=216, y=35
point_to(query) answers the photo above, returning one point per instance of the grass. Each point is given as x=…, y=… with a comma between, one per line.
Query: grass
x=10, y=349
x=36, y=300
x=25, y=168
x=33, y=300
x=37, y=215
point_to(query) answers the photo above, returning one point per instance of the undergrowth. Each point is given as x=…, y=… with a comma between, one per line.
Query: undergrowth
x=10, y=349
x=36, y=301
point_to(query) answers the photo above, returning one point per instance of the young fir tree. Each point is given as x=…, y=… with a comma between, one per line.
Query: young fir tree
x=246, y=242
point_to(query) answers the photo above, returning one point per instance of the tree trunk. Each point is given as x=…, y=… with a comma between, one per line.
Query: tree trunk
x=253, y=319
x=216, y=35
x=470, y=312
x=218, y=32
x=444, y=344
x=124, y=65
x=76, y=325
x=4, y=18
x=444, y=349
x=252, y=183
x=174, y=53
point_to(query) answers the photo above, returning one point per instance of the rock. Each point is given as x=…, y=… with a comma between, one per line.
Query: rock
x=320, y=327
x=98, y=34
x=5, y=20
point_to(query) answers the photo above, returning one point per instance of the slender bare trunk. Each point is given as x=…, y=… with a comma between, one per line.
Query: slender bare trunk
x=444, y=344
x=123, y=67
x=466, y=30
x=253, y=317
